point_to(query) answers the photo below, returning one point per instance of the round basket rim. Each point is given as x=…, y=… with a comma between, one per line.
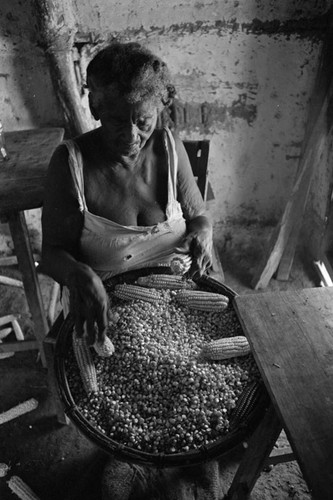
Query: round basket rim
x=122, y=452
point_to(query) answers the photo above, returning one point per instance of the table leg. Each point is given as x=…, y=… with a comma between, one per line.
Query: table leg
x=259, y=447
x=49, y=349
x=19, y=232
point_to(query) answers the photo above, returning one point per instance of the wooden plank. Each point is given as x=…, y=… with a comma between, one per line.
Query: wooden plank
x=255, y=457
x=23, y=345
x=294, y=209
x=19, y=232
x=291, y=335
x=22, y=176
x=288, y=255
x=322, y=88
x=280, y=455
x=281, y=250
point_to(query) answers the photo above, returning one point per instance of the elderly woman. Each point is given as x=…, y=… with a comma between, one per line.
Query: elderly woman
x=121, y=196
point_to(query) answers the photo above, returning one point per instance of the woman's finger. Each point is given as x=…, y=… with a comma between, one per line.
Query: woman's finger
x=78, y=324
x=90, y=329
x=102, y=323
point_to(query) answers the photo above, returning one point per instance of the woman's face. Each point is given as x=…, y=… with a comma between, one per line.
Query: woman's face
x=126, y=127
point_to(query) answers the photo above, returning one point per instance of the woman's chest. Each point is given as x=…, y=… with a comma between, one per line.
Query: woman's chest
x=129, y=197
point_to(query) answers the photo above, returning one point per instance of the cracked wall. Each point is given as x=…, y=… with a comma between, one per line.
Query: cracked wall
x=243, y=70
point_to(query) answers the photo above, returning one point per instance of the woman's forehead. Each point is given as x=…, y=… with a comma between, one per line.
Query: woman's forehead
x=121, y=105
x=111, y=93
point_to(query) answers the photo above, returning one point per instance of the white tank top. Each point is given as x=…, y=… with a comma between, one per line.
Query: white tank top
x=111, y=248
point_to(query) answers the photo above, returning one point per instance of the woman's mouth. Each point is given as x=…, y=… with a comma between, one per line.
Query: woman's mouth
x=129, y=149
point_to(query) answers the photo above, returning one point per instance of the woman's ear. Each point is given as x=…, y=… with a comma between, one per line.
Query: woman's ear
x=93, y=109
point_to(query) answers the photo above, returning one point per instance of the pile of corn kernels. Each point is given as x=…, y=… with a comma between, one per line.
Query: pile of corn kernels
x=156, y=393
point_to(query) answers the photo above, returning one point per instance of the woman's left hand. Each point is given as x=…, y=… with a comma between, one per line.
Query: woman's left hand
x=198, y=243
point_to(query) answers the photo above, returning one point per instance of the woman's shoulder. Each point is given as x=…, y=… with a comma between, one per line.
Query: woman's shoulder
x=87, y=141
x=160, y=140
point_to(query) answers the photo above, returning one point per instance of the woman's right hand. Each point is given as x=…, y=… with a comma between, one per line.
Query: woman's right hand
x=88, y=302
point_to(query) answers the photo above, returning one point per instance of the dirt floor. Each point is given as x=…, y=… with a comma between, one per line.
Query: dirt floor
x=58, y=463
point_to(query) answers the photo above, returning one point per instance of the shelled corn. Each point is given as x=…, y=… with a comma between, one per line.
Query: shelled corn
x=21, y=489
x=156, y=393
x=202, y=301
x=85, y=363
x=226, y=348
x=163, y=281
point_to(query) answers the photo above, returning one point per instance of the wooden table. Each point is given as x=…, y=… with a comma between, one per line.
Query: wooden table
x=21, y=188
x=291, y=335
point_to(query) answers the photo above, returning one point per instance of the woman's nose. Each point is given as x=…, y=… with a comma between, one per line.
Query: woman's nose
x=129, y=133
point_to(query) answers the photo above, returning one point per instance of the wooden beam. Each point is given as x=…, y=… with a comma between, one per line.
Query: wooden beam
x=57, y=28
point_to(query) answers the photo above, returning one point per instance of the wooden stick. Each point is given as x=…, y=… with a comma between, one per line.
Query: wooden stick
x=10, y=318
x=4, y=332
x=6, y=319
x=53, y=302
x=18, y=410
x=11, y=260
x=5, y=280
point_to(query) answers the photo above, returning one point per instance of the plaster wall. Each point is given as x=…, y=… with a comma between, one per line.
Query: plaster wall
x=250, y=63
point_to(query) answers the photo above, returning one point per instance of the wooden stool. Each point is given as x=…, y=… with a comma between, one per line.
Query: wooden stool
x=21, y=188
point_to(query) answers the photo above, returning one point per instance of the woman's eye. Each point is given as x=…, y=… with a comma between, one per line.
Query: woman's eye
x=143, y=124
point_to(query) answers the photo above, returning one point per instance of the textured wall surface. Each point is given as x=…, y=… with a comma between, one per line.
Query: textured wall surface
x=244, y=72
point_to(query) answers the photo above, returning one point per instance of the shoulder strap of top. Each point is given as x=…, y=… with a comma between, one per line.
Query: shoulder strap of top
x=172, y=158
x=75, y=163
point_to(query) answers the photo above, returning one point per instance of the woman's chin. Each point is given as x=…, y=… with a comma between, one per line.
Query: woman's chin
x=130, y=153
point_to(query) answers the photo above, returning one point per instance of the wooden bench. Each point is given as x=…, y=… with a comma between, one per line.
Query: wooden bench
x=291, y=335
x=21, y=188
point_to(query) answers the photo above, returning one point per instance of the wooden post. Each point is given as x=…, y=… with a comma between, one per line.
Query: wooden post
x=57, y=28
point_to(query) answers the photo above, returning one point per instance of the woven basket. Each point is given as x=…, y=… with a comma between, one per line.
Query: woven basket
x=250, y=407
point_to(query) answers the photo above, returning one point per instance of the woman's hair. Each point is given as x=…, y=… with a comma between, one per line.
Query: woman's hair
x=132, y=72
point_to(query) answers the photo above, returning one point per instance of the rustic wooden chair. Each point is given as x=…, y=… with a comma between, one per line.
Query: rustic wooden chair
x=198, y=153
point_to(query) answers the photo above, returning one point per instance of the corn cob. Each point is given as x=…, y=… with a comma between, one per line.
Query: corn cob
x=18, y=410
x=166, y=281
x=246, y=403
x=21, y=489
x=4, y=469
x=85, y=363
x=104, y=349
x=226, y=348
x=181, y=264
x=202, y=301
x=134, y=292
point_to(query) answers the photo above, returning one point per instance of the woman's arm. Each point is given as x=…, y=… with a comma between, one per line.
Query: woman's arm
x=199, y=239
x=61, y=230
